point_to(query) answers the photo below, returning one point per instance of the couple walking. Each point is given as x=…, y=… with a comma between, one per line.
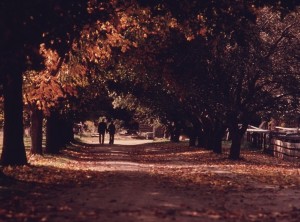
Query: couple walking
x=111, y=129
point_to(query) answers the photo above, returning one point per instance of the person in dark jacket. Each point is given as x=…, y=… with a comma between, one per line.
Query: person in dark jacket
x=111, y=130
x=101, y=130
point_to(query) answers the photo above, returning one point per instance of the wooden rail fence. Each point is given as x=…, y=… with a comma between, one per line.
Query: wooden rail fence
x=285, y=147
x=282, y=142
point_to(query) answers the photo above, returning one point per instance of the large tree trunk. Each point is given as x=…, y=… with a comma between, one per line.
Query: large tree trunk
x=36, y=130
x=218, y=133
x=217, y=142
x=59, y=132
x=201, y=139
x=236, y=134
x=235, y=148
x=66, y=132
x=13, y=152
x=69, y=132
x=218, y=145
x=194, y=132
x=53, y=136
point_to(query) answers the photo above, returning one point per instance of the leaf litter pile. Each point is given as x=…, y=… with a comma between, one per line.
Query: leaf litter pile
x=150, y=182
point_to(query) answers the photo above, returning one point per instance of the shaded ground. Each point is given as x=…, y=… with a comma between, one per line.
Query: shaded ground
x=150, y=182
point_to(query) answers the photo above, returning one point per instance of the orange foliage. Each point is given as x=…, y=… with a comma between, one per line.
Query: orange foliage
x=45, y=89
x=127, y=26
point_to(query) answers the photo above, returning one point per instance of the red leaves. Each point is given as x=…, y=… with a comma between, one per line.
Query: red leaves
x=44, y=89
x=50, y=170
x=174, y=162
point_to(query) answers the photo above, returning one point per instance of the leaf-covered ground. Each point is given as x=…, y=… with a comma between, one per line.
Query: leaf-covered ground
x=150, y=182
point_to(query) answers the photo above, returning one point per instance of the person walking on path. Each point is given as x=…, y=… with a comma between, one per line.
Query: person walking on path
x=111, y=130
x=101, y=130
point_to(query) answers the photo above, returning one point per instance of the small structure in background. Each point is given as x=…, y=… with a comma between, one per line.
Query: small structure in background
x=146, y=131
x=150, y=132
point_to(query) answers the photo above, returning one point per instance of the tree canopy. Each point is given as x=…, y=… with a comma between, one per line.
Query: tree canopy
x=206, y=65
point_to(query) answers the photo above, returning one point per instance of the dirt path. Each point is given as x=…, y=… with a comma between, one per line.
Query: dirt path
x=156, y=182
x=139, y=197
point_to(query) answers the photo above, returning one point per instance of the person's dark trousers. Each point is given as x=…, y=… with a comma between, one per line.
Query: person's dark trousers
x=101, y=138
x=111, y=138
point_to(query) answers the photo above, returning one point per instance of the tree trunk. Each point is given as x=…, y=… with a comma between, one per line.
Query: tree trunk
x=236, y=134
x=207, y=138
x=69, y=132
x=217, y=145
x=175, y=138
x=218, y=133
x=175, y=133
x=192, y=136
x=66, y=132
x=207, y=133
x=59, y=132
x=13, y=152
x=235, y=148
x=36, y=130
x=200, y=139
x=53, y=134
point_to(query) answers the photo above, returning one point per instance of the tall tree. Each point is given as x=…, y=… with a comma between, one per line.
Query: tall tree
x=231, y=69
x=25, y=25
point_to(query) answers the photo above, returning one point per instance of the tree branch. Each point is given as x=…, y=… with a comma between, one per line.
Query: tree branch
x=275, y=45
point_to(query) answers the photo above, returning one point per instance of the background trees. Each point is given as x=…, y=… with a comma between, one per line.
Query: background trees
x=203, y=66
x=232, y=73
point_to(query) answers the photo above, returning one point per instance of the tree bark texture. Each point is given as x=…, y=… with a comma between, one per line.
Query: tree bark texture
x=13, y=152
